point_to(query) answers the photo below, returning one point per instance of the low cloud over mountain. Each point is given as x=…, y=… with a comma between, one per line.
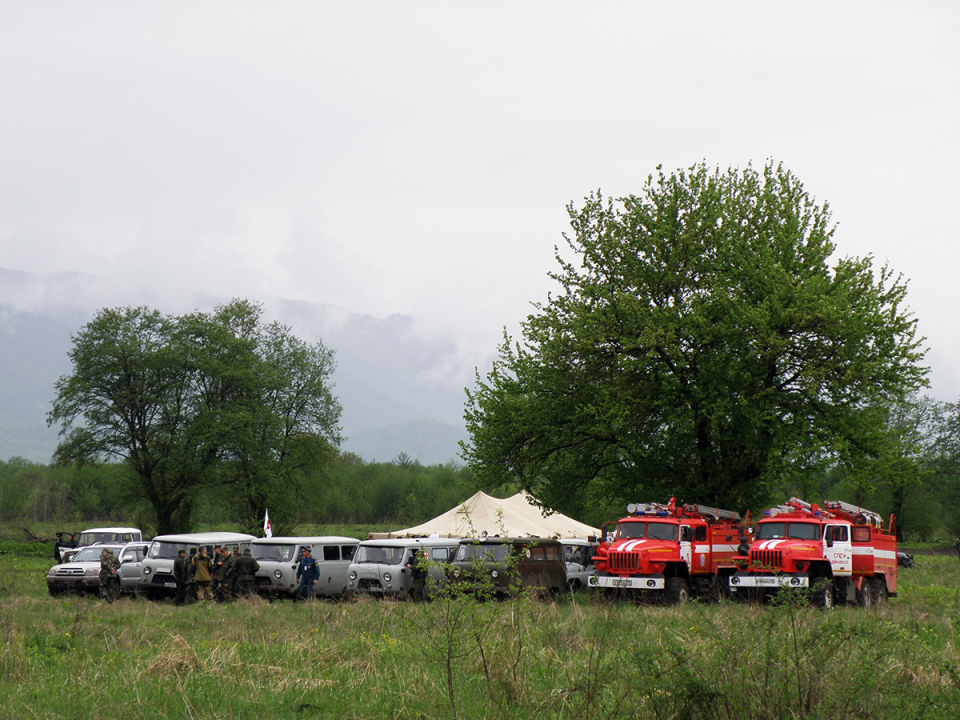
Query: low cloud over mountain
x=401, y=391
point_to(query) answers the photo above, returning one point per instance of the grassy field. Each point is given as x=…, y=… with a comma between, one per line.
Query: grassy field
x=76, y=657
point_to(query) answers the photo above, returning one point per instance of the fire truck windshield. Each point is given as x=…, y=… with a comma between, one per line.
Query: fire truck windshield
x=791, y=530
x=649, y=530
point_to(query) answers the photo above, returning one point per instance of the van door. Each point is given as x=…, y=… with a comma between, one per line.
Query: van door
x=333, y=570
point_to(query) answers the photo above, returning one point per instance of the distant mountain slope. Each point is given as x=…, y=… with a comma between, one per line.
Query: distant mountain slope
x=400, y=392
x=429, y=441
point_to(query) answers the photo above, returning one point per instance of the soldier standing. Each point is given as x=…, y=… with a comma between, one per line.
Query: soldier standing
x=223, y=583
x=56, y=547
x=180, y=575
x=215, y=563
x=201, y=574
x=956, y=544
x=246, y=568
x=109, y=582
x=308, y=572
x=188, y=576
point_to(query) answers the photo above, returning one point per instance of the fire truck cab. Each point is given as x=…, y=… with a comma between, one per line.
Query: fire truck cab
x=840, y=553
x=673, y=552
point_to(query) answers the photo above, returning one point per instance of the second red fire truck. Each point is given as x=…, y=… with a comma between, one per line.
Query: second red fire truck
x=838, y=552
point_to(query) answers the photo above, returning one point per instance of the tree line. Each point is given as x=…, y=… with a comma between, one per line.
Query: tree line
x=349, y=491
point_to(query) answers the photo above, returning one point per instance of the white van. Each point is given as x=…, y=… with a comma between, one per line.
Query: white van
x=279, y=557
x=384, y=567
x=100, y=536
x=156, y=571
x=578, y=555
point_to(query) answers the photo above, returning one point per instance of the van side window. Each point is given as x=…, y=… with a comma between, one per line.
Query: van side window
x=348, y=551
x=331, y=552
x=439, y=554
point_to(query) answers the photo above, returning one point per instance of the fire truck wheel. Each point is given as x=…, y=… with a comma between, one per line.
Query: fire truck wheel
x=865, y=594
x=879, y=591
x=677, y=590
x=823, y=594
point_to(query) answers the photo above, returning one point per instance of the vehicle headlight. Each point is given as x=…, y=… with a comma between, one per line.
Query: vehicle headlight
x=353, y=574
x=388, y=577
x=794, y=581
x=277, y=574
x=147, y=570
x=494, y=574
x=734, y=580
x=91, y=571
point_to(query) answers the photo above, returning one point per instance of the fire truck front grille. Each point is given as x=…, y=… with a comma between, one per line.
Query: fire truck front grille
x=624, y=561
x=767, y=558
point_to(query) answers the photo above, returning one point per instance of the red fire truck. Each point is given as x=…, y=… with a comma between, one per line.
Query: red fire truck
x=670, y=551
x=839, y=552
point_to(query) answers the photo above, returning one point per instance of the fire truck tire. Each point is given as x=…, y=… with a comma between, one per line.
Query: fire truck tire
x=879, y=591
x=677, y=591
x=823, y=594
x=865, y=594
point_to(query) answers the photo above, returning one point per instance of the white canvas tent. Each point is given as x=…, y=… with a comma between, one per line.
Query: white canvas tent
x=513, y=517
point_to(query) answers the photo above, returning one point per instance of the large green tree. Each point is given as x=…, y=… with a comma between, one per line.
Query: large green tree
x=701, y=345
x=190, y=403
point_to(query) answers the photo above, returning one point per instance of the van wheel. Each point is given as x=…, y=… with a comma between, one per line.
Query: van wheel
x=677, y=591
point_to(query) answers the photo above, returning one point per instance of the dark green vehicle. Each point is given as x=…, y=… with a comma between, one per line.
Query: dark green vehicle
x=498, y=567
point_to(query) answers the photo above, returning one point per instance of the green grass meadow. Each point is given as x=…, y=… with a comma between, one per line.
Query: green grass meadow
x=77, y=657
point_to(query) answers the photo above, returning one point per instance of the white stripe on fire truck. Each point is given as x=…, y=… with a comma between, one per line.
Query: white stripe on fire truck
x=627, y=547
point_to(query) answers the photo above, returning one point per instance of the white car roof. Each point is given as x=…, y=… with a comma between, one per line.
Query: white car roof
x=111, y=530
x=310, y=540
x=207, y=537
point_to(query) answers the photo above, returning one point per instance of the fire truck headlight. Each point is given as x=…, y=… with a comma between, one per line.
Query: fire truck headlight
x=734, y=580
x=794, y=581
x=651, y=583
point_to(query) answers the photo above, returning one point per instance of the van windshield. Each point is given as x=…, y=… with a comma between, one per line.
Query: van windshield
x=379, y=554
x=278, y=552
x=471, y=551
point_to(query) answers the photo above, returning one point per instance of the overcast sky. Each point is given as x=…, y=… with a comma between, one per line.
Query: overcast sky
x=417, y=158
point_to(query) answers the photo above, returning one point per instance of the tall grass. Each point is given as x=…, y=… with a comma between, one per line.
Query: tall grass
x=76, y=657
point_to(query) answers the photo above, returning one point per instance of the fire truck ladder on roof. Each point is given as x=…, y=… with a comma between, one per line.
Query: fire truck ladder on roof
x=854, y=510
x=713, y=512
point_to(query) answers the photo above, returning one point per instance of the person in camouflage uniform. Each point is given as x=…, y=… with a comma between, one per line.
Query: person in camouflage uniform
x=180, y=575
x=215, y=562
x=202, y=567
x=188, y=576
x=109, y=582
x=246, y=568
x=232, y=575
x=222, y=565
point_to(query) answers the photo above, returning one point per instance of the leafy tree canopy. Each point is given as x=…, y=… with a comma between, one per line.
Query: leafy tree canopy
x=701, y=346
x=198, y=401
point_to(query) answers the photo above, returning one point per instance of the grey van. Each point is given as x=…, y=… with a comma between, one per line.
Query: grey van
x=156, y=570
x=393, y=568
x=279, y=557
